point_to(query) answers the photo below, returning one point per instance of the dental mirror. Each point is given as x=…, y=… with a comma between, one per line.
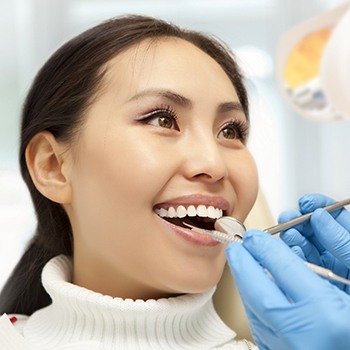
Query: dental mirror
x=230, y=224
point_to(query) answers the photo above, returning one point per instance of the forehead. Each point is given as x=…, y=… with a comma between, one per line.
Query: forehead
x=165, y=62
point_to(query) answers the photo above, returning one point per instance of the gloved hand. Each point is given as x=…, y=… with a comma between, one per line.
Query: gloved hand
x=323, y=240
x=298, y=309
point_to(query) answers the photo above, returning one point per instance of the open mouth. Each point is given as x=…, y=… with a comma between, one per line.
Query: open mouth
x=204, y=223
x=200, y=216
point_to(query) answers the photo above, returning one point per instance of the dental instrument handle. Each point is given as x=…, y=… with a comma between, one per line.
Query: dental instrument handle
x=319, y=270
x=225, y=238
x=326, y=273
x=285, y=226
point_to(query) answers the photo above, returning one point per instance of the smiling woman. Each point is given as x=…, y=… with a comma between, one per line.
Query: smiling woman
x=129, y=130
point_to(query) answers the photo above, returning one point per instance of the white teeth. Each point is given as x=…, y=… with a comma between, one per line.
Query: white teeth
x=212, y=212
x=202, y=211
x=180, y=212
x=191, y=211
x=172, y=213
x=162, y=212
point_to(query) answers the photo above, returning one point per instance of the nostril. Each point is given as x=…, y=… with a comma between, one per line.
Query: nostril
x=206, y=166
x=211, y=177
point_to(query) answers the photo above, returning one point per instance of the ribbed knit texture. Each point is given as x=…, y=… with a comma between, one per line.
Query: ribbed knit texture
x=81, y=319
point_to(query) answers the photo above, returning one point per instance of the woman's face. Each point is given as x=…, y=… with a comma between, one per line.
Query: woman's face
x=166, y=135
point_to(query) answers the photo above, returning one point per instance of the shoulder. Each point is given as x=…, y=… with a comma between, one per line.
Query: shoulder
x=11, y=332
x=18, y=321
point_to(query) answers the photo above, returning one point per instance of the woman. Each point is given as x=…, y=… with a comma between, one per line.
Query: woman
x=128, y=130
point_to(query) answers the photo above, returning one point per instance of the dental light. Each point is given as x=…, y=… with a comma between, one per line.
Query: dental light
x=313, y=66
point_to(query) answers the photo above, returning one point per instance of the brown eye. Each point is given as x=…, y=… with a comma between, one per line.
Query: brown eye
x=166, y=122
x=229, y=133
x=164, y=118
x=235, y=130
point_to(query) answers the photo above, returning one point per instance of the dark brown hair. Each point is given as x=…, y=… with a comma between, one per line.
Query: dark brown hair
x=57, y=101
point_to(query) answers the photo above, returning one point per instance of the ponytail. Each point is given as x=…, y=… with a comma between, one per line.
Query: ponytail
x=23, y=292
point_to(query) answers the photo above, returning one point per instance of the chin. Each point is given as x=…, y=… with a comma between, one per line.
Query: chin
x=199, y=289
x=197, y=285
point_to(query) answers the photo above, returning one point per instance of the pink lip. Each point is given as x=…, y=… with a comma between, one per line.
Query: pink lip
x=191, y=235
x=193, y=199
x=196, y=199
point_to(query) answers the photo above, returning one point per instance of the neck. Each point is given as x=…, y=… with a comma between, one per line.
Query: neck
x=121, y=288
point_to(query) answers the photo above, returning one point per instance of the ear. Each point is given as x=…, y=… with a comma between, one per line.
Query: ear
x=48, y=162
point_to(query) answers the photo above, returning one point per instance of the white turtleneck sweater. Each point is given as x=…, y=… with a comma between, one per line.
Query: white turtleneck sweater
x=81, y=319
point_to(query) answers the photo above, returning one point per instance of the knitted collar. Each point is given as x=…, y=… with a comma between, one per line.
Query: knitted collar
x=80, y=318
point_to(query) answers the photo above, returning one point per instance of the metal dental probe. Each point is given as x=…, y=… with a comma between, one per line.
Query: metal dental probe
x=291, y=223
x=233, y=229
x=229, y=224
x=228, y=238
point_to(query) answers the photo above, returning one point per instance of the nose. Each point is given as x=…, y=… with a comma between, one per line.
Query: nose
x=204, y=160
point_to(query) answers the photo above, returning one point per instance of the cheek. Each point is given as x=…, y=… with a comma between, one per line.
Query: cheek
x=113, y=184
x=122, y=174
x=244, y=177
x=137, y=170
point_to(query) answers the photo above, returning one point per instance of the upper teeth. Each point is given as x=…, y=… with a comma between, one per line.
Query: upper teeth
x=181, y=212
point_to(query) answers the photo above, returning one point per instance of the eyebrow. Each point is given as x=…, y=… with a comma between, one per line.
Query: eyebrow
x=230, y=106
x=170, y=95
x=184, y=101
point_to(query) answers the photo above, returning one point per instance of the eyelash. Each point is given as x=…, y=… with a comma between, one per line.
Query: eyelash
x=168, y=111
x=240, y=127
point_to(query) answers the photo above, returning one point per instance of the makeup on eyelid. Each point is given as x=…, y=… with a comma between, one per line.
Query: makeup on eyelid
x=163, y=108
x=165, y=111
x=239, y=127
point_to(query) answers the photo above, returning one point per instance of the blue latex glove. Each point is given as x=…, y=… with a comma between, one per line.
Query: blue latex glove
x=298, y=310
x=323, y=240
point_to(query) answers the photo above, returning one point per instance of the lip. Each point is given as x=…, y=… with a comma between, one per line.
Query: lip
x=193, y=236
x=196, y=199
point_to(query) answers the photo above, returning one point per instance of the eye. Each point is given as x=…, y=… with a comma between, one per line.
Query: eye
x=234, y=130
x=164, y=117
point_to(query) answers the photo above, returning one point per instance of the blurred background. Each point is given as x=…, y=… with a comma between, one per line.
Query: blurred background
x=294, y=155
